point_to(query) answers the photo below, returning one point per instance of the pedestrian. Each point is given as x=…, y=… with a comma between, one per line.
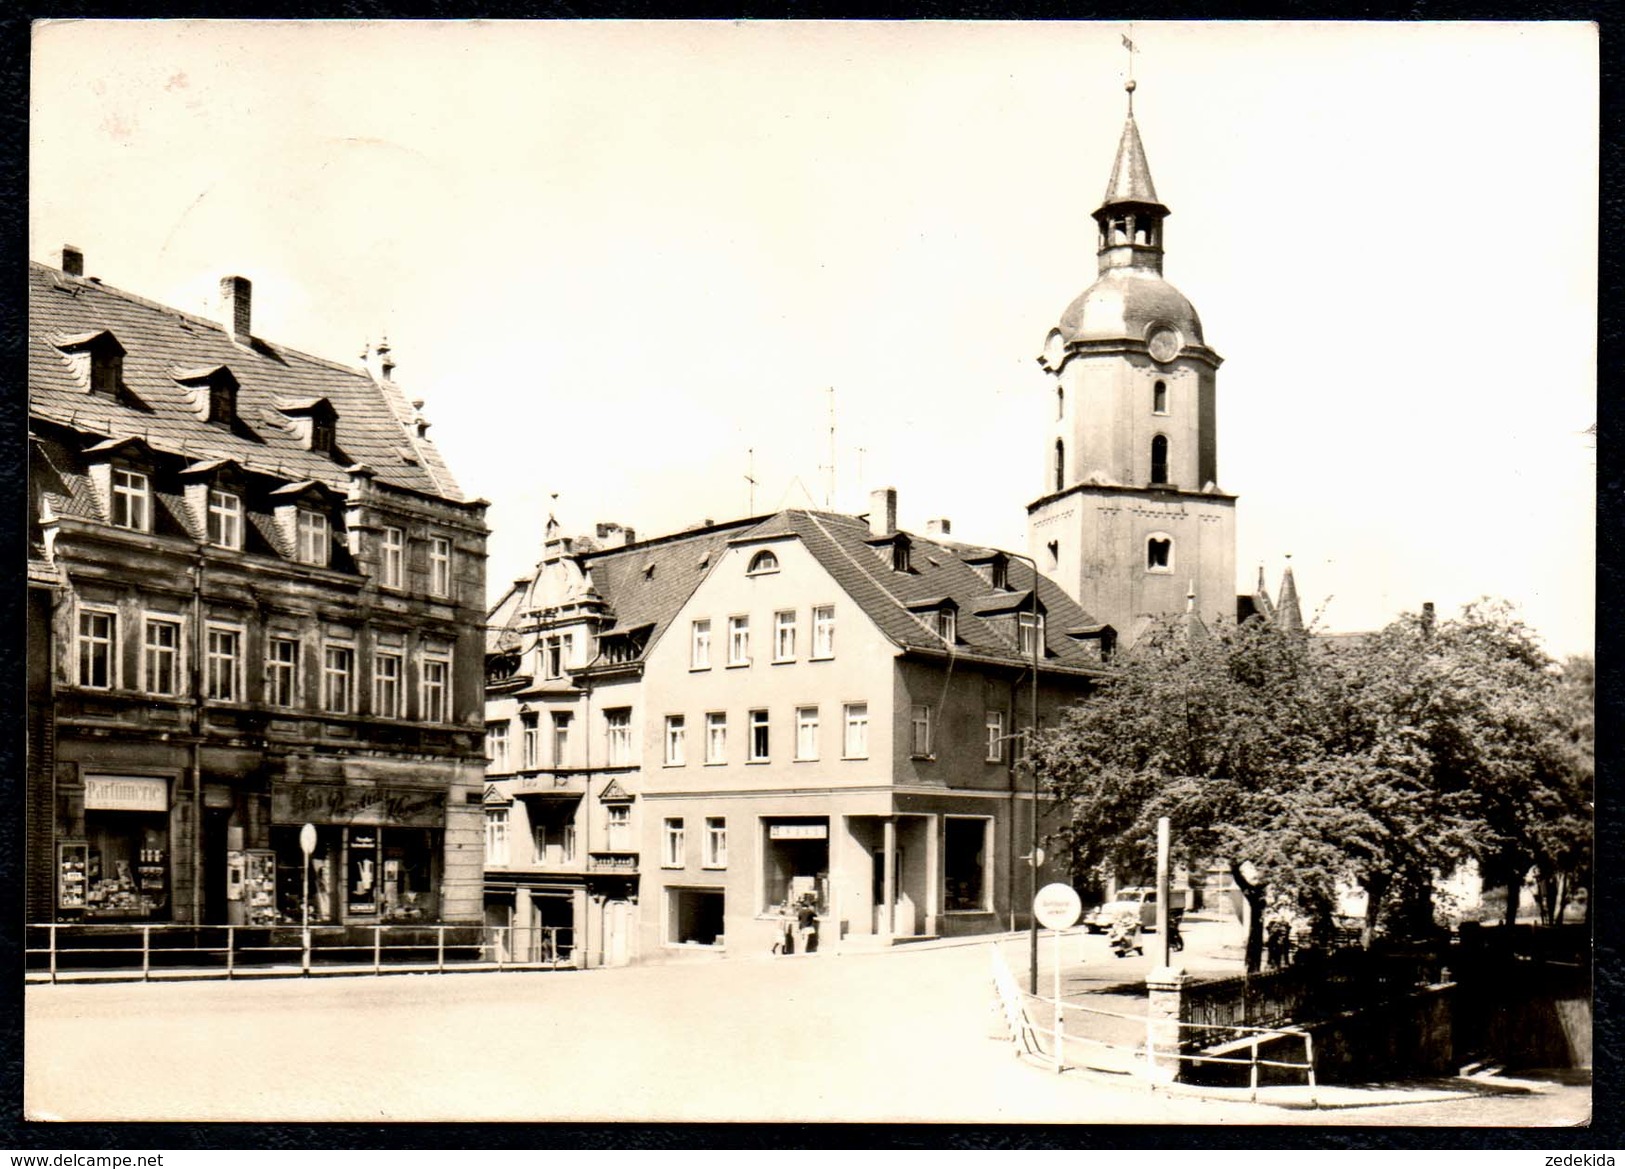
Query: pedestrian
x=787, y=941
x=1277, y=939
x=807, y=925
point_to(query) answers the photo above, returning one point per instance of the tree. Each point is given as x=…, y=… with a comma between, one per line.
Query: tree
x=1211, y=730
x=1303, y=763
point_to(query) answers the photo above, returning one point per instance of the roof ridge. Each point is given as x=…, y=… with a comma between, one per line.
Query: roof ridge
x=144, y=302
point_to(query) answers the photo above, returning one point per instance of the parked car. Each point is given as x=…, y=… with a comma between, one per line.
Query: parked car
x=1140, y=899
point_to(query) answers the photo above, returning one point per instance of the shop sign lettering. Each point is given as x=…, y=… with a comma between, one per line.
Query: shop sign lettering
x=335, y=804
x=120, y=793
x=798, y=831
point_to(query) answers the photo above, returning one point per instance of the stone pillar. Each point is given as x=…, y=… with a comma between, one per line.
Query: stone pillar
x=888, y=880
x=1163, y=989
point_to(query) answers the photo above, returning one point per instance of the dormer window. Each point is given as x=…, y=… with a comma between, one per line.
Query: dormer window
x=763, y=562
x=213, y=392
x=98, y=360
x=222, y=402
x=106, y=372
x=1029, y=633
x=225, y=519
x=313, y=421
x=893, y=550
x=315, y=542
x=999, y=574
x=947, y=624
x=132, y=500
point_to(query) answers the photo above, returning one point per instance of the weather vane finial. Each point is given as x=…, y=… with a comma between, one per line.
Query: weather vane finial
x=1128, y=44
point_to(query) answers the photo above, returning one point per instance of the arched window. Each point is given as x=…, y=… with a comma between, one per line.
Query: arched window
x=1060, y=464
x=763, y=561
x=1060, y=403
x=1159, y=552
x=1159, y=459
x=1159, y=398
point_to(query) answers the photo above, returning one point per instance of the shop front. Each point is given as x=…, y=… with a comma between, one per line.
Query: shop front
x=377, y=858
x=120, y=869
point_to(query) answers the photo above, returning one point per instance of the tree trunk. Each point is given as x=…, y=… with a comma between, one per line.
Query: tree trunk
x=1255, y=895
x=1515, y=874
x=1376, y=890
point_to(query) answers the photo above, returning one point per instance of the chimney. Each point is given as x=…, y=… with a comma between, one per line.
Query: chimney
x=883, y=512
x=73, y=260
x=938, y=527
x=386, y=363
x=1427, y=618
x=615, y=535
x=237, y=306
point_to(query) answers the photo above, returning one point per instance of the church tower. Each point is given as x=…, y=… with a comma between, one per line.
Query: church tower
x=1132, y=521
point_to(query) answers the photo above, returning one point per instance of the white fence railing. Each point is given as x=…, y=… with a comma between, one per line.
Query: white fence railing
x=55, y=952
x=1029, y=1038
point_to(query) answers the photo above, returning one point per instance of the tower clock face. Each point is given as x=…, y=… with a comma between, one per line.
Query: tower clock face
x=1164, y=344
x=1054, y=348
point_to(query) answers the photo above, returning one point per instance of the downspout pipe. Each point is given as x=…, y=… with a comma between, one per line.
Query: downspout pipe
x=197, y=739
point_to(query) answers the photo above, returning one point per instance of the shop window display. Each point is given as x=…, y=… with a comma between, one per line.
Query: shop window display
x=120, y=870
x=289, y=883
x=796, y=862
x=389, y=874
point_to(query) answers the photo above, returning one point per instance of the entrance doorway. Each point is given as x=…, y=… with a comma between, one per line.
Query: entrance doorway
x=553, y=939
x=694, y=916
x=215, y=822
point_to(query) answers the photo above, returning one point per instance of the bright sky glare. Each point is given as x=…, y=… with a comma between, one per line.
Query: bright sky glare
x=627, y=262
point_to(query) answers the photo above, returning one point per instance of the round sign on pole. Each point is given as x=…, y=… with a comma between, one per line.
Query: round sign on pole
x=1057, y=906
x=307, y=838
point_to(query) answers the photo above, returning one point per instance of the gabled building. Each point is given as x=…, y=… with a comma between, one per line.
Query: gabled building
x=565, y=711
x=833, y=717
x=689, y=733
x=255, y=602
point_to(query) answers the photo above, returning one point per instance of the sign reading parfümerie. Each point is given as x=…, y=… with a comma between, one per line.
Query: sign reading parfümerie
x=798, y=831
x=332, y=803
x=126, y=793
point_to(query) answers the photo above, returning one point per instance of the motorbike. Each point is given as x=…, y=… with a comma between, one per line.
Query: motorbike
x=1124, y=938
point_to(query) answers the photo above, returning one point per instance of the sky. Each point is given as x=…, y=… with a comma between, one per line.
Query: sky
x=634, y=266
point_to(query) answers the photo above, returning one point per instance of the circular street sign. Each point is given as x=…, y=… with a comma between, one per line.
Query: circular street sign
x=1057, y=906
x=1036, y=858
x=307, y=838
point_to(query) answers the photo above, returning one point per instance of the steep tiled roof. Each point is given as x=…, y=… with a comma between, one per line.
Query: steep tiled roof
x=645, y=585
x=938, y=569
x=375, y=421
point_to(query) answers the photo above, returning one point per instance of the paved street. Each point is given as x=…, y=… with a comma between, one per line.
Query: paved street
x=898, y=1036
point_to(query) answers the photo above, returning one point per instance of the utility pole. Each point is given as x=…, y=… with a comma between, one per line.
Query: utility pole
x=750, y=477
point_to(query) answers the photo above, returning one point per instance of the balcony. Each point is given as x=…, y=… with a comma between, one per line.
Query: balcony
x=612, y=862
x=557, y=784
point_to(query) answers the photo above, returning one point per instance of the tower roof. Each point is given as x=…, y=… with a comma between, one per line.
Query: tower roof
x=1287, y=613
x=1131, y=174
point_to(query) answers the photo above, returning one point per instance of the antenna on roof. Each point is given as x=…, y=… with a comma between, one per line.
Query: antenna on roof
x=750, y=477
x=829, y=490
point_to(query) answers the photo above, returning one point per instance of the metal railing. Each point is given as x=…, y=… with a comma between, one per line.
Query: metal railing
x=56, y=952
x=1030, y=1038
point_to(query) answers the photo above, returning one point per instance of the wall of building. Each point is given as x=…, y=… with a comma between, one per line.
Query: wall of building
x=1101, y=534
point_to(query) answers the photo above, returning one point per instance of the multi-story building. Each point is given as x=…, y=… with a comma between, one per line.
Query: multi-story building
x=802, y=707
x=565, y=706
x=256, y=596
